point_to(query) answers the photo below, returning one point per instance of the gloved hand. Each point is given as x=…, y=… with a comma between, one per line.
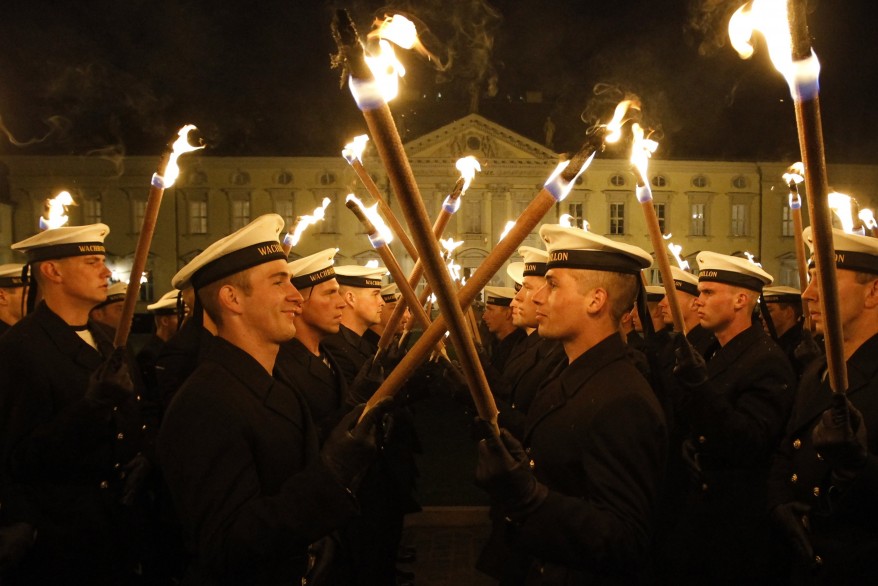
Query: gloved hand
x=352, y=445
x=792, y=520
x=690, y=368
x=808, y=349
x=503, y=471
x=840, y=437
x=135, y=473
x=15, y=540
x=367, y=381
x=392, y=355
x=111, y=383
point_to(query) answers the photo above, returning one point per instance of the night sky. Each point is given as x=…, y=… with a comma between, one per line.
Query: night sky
x=105, y=77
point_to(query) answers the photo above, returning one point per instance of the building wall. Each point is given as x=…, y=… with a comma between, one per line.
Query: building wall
x=296, y=186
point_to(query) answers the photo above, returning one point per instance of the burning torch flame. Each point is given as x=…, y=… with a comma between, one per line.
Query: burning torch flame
x=454, y=270
x=752, y=259
x=302, y=222
x=450, y=244
x=676, y=249
x=353, y=151
x=386, y=69
x=56, y=214
x=795, y=174
x=868, y=218
x=402, y=32
x=841, y=205
x=642, y=149
x=371, y=212
x=614, y=126
x=509, y=226
x=372, y=264
x=180, y=147
x=770, y=17
x=566, y=220
x=468, y=166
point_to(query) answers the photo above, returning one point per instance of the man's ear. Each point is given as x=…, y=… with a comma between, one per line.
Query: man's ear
x=871, y=300
x=349, y=298
x=4, y=297
x=51, y=270
x=596, y=300
x=230, y=299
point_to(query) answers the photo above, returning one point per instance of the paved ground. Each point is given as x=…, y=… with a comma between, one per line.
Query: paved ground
x=448, y=541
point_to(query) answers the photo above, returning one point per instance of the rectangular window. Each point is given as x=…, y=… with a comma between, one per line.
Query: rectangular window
x=617, y=218
x=284, y=208
x=198, y=217
x=471, y=216
x=138, y=210
x=661, y=214
x=698, y=225
x=739, y=219
x=240, y=214
x=575, y=212
x=786, y=223
x=91, y=210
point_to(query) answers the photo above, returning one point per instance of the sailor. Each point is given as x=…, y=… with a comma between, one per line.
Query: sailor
x=12, y=291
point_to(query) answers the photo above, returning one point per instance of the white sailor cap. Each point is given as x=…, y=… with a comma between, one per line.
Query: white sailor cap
x=501, y=296
x=731, y=270
x=64, y=242
x=654, y=293
x=852, y=251
x=533, y=265
x=314, y=269
x=575, y=248
x=254, y=244
x=10, y=276
x=115, y=293
x=166, y=304
x=685, y=281
x=390, y=293
x=781, y=294
x=360, y=276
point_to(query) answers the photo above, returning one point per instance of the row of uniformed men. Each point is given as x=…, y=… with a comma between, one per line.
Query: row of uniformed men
x=578, y=488
x=761, y=485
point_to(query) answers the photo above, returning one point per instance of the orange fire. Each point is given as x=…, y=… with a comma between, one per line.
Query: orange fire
x=180, y=147
x=468, y=166
x=371, y=212
x=56, y=211
x=302, y=222
x=353, y=151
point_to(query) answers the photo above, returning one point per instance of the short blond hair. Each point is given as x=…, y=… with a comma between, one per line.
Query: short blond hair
x=621, y=289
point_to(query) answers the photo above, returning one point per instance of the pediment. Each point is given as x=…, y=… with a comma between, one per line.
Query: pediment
x=475, y=135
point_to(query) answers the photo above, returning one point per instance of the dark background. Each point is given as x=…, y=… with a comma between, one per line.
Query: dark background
x=108, y=78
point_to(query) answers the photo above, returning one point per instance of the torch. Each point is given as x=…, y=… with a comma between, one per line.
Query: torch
x=796, y=174
x=294, y=233
x=165, y=176
x=785, y=29
x=353, y=154
x=467, y=167
x=383, y=130
x=641, y=149
x=380, y=236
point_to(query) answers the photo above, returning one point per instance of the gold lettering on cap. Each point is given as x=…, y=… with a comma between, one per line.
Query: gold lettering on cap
x=319, y=275
x=530, y=267
x=92, y=248
x=708, y=273
x=270, y=249
x=839, y=257
x=556, y=256
x=373, y=282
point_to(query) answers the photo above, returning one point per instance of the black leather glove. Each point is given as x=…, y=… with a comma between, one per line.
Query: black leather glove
x=808, y=349
x=111, y=383
x=392, y=355
x=367, y=381
x=840, y=437
x=503, y=471
x=792, y=520
x=135, y=474
x=352, y=445
x=15, y=540
x=690, y=368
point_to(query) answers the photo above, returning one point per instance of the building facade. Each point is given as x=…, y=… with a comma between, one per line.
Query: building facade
x=720, y=206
